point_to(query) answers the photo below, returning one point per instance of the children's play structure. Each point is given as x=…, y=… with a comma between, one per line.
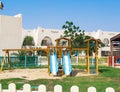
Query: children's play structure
x=59, y=56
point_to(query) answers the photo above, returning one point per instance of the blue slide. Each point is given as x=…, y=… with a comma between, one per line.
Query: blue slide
x=53, y=64
x=67, y=64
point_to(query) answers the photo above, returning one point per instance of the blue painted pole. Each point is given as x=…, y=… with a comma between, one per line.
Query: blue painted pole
x=25, y=61
x=36, y=62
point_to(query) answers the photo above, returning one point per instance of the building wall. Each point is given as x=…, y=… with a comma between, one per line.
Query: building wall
x=40, y=33
x=10, y=32
x=104, y=36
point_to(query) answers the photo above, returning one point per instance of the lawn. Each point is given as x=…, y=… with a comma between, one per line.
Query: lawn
x=108, y=77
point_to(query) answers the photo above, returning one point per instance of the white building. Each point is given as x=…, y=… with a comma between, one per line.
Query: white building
x=12, y=35
x=104, y=36
x=42, y=35
x=10, y=32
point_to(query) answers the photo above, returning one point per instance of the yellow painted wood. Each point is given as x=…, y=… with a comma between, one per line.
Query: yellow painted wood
x=79, y=48
x=9, y=62
x=96, y=56
x=3, y=62
x=88, y=60
x=48, y=52
x=23, y=49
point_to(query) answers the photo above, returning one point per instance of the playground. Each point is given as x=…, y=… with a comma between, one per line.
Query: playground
x=61, y=67
x=58, y=57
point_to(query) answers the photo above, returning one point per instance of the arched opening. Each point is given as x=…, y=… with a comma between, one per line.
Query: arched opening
x=46, y=41
x=28, y=41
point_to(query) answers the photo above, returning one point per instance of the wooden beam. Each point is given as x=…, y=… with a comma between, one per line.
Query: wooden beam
x=59, y=47
x=79, y=48
x=23, y=49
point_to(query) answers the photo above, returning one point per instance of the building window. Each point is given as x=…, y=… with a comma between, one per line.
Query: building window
x=116, y=53
x=105, y=53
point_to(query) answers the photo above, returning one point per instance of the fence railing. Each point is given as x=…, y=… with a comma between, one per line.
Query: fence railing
x=21, y=61
x=42, y=88
x=27, y=61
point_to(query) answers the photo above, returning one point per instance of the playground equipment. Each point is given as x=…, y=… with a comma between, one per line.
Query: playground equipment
x=53, y=63
x=58, y=60
x=67, y=63
x=7, y=55
x=55, y=53
x=95, y=64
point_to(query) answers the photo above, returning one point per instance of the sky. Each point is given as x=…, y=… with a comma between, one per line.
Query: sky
x=89, y=15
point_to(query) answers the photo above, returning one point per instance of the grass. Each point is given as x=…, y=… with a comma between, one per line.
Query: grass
x=108, y=77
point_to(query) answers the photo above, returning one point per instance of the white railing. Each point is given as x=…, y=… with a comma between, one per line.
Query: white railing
x=42, y=88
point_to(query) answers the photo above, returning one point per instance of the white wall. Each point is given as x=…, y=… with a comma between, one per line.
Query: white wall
x=100, y=34
x=52, y=33
x=40, y=33
x=10, y=32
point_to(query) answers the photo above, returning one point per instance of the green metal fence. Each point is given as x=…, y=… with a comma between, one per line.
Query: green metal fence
x=21, y=61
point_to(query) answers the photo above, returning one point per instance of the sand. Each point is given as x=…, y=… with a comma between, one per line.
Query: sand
x=33, y=74
x=29, y=74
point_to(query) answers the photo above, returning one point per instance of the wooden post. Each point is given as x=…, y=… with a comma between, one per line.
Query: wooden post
x=57, y=42
x=87, y=55
x=74, y=89
x=92, y=89
x=1, y=88
x=86, y=60
x=12, y=87
x=96, y=56
x=9, y=62
x=3, y=61
x=26, y=88
x=109, y=89
x=42, y=88
x=47, y=51
x=57, y=88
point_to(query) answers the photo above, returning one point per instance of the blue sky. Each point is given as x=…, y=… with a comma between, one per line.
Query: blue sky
x=90, y=15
